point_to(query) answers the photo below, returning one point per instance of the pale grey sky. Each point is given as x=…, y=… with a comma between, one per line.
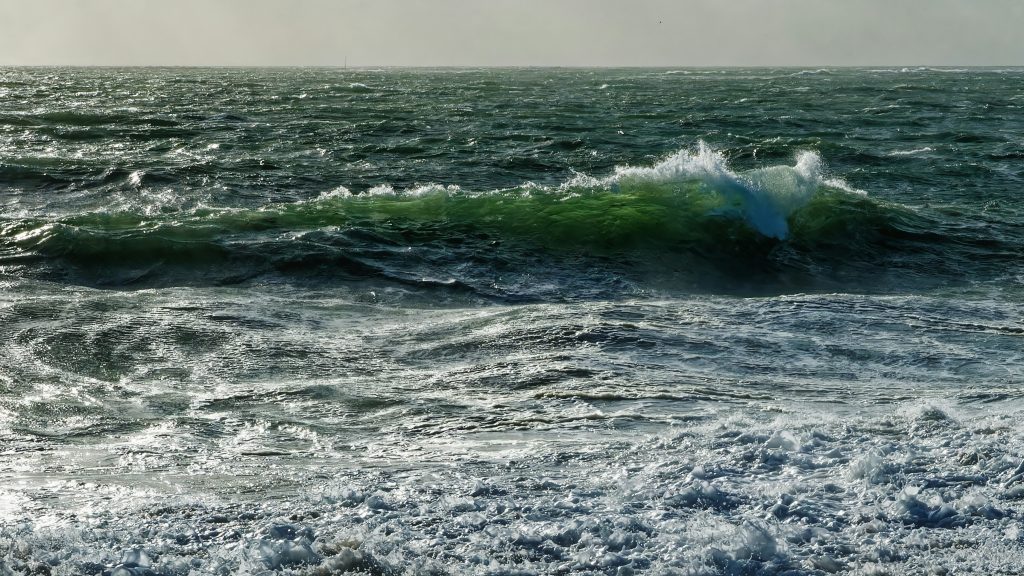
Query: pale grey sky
x=512, y=32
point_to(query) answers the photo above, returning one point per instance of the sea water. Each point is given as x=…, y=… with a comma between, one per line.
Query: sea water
x=511, y=321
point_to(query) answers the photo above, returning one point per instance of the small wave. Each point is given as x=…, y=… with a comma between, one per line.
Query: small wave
x=812, y=72
x=227, y=117
x=912, y=152
x=918, y=69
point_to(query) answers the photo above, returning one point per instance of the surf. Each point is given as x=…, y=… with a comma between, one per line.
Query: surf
x=689, y=212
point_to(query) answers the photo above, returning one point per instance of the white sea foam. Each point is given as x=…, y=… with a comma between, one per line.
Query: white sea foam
x=135, y=178
x=733, y=495
x=918, y=69
x=705, y=435
x=418, y=191
x=765, y=197
x=911, y=152
x=337, y=192
x=812, y=72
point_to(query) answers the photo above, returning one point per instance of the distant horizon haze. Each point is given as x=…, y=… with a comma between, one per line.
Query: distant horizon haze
x=506, y=33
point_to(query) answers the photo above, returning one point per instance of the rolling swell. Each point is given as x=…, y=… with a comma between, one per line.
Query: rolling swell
x=688, y=222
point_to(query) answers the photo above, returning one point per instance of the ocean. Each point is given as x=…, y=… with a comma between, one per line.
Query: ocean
x=511, y=321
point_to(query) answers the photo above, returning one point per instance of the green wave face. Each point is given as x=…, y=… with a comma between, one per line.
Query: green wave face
x=687, y=222
x=648, y=216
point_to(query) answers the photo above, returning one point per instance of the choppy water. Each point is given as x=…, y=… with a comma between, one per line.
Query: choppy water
x=511, y=321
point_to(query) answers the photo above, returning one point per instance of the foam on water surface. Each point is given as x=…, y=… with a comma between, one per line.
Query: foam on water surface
x=836, y=433
x=752, y=494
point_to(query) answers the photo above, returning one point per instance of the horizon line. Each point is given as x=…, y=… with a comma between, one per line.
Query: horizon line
x=516, y=66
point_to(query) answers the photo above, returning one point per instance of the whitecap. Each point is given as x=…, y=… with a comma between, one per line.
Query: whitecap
x=913, y=152
x=135, y=178
x=338, y=192
x=812, y=72
x=765, y=197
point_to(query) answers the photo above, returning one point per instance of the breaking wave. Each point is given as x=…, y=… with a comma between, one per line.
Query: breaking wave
x=689, y=216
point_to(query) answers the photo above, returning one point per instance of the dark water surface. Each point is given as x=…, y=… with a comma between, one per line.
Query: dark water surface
x=511, y=321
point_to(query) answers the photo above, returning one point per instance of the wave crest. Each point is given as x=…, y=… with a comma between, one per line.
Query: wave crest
x=764, y=197
x=689, y=215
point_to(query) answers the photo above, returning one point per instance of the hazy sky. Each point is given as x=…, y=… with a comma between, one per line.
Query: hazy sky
x=513, y=32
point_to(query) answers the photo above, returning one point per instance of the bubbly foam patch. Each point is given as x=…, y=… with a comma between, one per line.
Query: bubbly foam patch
x=764, y=197
x=729, y=496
